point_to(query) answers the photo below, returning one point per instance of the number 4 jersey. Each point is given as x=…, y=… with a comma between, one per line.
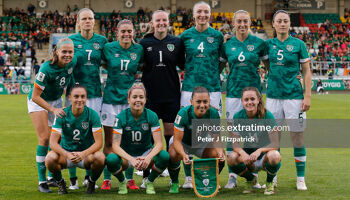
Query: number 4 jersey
x=77, y=133
x=136, y=135
x=122, y=66
x=285, y=59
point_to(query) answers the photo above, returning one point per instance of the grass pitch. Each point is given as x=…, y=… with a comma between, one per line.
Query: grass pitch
x=327, y=172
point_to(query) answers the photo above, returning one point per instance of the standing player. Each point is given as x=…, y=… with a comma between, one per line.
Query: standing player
x=162, y=53
x=202, y=46
x=181, y=142
x=88, y=50
x=76, y=140
x=285, y=97
x=243, y=53
x=123, y=58
x=133, y=131
x=44, y=100
x=261, y=154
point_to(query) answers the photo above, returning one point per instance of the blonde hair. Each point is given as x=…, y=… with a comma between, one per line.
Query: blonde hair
x=234, y=18
x=137, y=85
x=151, y=29
x=200, y=3
x=54, y=56
x=77, y=26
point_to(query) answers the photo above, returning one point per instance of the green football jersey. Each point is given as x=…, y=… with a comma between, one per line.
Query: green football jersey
x=53, y=79
x=202, y=59
x=285, y=58
x=136, y=135
x=77, y=133
x=89, y=55
x=122, y=66
x=261, y=138
x=244, y=59
x=183, y=121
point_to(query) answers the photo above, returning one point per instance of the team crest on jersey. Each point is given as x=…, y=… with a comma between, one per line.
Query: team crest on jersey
x=145, y=126
x=233, y=48
x=210, y=39
x=116, y=55
x=250, y=47
x=171, y=47
x=80, y=46
x=85, y=125
x=133, y=56
x=70, y=70
x=96, y=46
x=290, y=48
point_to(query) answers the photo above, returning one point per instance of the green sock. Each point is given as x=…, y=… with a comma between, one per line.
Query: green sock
x=114, y=164
x=41, y=153
x=271, y=171
x=300, y=161
x=242, y=170
x=95, y=175
x=161, y=162
x=106, y=174
x=120, y=177
x=57, y=176
x=174, y=170
x=72, y=172
x=88, y=172
x=49, y=174
x=129, y=173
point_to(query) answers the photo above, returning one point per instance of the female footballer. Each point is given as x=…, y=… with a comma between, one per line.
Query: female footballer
x=134, y=129
x=243, y=53
x=44, y=100
x=180, y=144
x=262, y=154
x=285, y=97
x=76, y=140
x=123, y=58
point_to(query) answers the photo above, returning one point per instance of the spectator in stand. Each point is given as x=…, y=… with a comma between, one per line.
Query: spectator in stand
x=14, y=58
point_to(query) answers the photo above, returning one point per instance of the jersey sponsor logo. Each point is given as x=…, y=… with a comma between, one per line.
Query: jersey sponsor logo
x=250, y=47
x=178, y=119
x=133, y=56
x=205, y=182
x=290, y=48
x=40, y=77
x=116, y=55
x=210, y=39
x=70, y=70
x=149, y=48
x=171, y=47
x=80, y=46
x=145, y=126
x=85, y=125
x=96, y=46
x=104, y=116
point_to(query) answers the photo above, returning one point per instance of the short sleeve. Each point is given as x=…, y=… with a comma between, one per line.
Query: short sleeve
x=41, y=79
x=154, y=122
x=304, y=56
x=179, y=123
x=96, y=122
x=118, y=126
x=57, y=126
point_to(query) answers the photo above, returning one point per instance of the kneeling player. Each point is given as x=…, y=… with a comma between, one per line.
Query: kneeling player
x=133, y=131
x=180, y=143
x=81, y=139
x=260, y=154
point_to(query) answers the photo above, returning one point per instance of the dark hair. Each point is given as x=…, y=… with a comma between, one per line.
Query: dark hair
x=273, y=19
x=261, y=107
x=77, y=85
x=199, y=89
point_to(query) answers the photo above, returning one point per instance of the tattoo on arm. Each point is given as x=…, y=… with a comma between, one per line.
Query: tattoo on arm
x=116, y=137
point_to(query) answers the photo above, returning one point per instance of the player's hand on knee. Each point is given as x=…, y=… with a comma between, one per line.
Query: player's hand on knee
x=255, y=155
x=58, y=112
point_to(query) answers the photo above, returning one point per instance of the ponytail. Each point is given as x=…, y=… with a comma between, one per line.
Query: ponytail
x=261, y=110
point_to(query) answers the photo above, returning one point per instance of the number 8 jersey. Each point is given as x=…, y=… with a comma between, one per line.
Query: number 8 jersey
x=285, y=59
x=136, y=135
x=122, y=66
x=202, y=59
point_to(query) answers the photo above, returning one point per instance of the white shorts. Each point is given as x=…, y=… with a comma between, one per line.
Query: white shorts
x=215, y=100
x=33, y=107
x=319, y=89
x=188, y=150
x=109, y=112
x=80, y=164
x=289, y=109
x=232, y=105
x=143, y=155
x=94, y=103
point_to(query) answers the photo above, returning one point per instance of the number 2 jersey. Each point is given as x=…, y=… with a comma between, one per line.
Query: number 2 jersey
x=122, y=66
x=244, y=59
x=53, y=79
x=77, y=133
x=203, y=51
x=89, y=56
x=285, y=59
x=136, y=135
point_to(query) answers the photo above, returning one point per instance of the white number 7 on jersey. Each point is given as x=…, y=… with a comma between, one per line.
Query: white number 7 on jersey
x=89, y=53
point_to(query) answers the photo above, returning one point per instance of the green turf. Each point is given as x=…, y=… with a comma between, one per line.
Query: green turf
x=327, y=174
